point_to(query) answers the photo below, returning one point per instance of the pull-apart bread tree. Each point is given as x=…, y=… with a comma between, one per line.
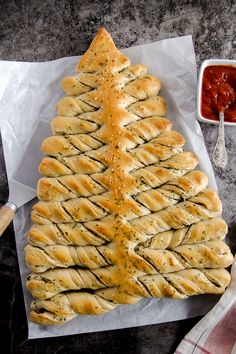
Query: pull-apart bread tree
x=122, y=214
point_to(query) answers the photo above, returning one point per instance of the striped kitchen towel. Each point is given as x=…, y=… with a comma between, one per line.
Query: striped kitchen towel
x=216, y=332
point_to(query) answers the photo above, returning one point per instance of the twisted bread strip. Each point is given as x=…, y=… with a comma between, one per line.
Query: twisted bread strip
x=73, y=106
x=81, y=210
x=60, y=146
x=81, y=83
x=68, y=187
x=174, y=191
x=50, y=283
x=72, y=86
x=49, y=188
x=45, y=285
x=53, y=167
x=77, y=209
x=213, y=254
x=151, y=106
x=62, y=308
x=87, y=79
x=78, y=84
x=72, y=125
x=96, y=232
x=203, y=231
x=180, y=284
x=69, y=145
x=157, y=199
x=93, y=117
x=95, y=161
x=143, y=87
x=149, y=128
x=132, y=72
x=162, y=148
x=90, y=233
x=162, y=172
x=41, y=259
x=153, y=200
x=187, y=282
x=205, y=205
x=141, y=131
x=155, y=175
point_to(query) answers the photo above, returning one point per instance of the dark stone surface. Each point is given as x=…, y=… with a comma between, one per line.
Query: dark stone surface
x=44, y=30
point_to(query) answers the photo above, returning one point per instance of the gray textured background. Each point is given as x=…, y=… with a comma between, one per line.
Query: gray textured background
x=43, y=30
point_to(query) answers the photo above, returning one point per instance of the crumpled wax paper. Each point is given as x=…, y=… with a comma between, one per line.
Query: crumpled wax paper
x=29, y=93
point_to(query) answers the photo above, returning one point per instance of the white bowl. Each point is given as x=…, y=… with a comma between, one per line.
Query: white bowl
x=199, y=89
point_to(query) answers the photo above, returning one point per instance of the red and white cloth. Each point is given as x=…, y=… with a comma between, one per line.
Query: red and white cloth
x=216, y=332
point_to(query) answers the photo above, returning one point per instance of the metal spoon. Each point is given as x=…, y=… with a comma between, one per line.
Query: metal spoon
x=220, y=157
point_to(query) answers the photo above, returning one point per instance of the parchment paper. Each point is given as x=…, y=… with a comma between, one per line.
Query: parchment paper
x=29, y=92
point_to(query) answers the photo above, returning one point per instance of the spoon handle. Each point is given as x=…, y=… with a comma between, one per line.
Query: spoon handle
x=220, y=157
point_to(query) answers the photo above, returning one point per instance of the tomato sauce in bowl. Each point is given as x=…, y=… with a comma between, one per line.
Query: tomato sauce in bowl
x=219, y=92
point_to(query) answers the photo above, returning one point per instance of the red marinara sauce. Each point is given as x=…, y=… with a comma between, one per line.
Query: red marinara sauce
x=219, y=92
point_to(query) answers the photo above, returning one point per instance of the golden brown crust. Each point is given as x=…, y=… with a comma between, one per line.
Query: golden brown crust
x=120, y=211
x=61, y=308
x=102, y=54
x=201, y=232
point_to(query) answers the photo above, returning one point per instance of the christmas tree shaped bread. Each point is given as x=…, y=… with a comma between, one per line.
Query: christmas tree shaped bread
x=122, y=214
